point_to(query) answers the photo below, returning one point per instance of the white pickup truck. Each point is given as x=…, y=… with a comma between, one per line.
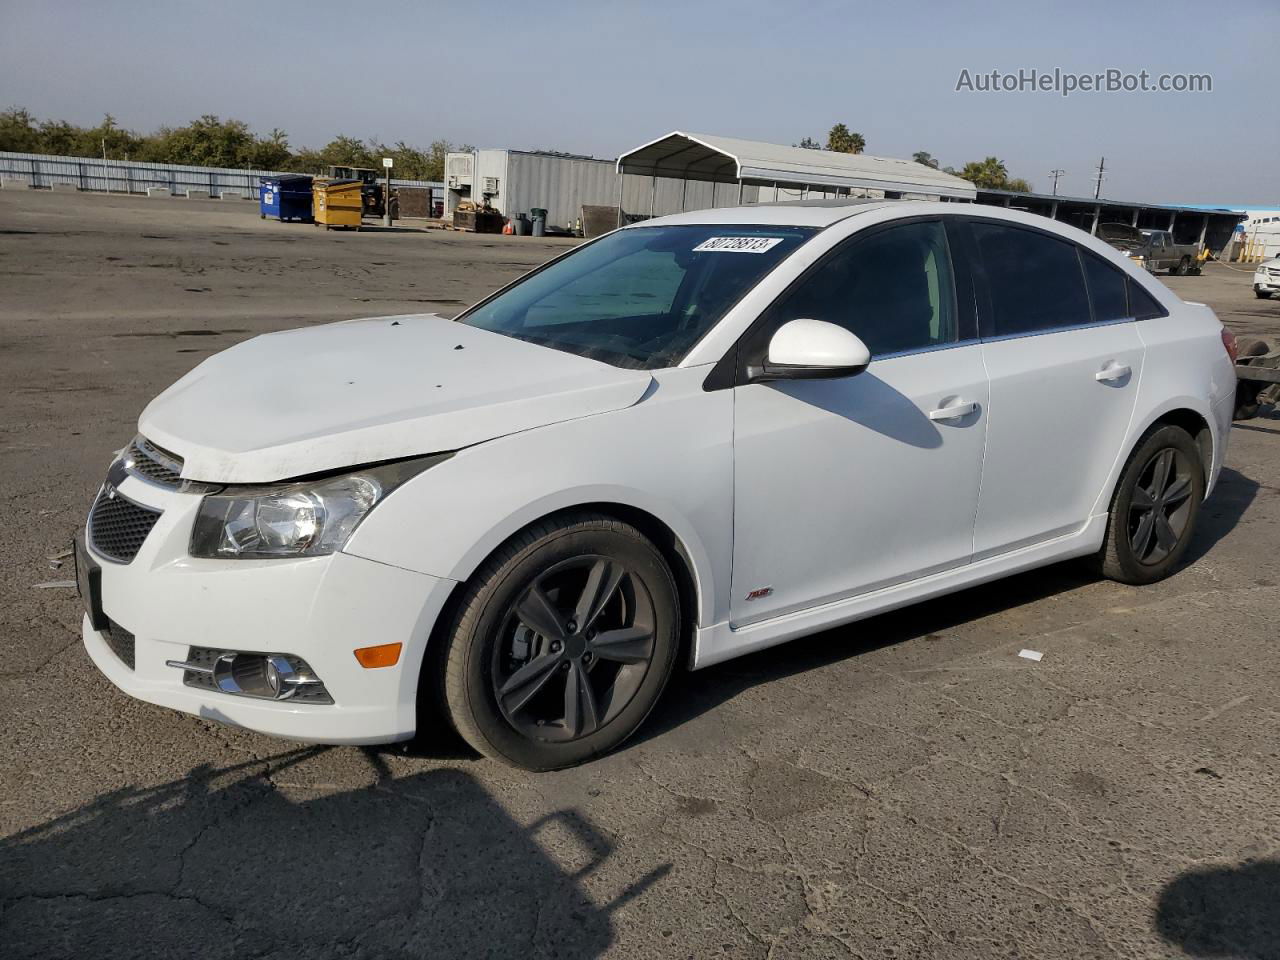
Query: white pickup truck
x=1152, y=249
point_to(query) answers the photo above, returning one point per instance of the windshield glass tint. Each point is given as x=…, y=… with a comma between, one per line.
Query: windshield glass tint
x=640, y=297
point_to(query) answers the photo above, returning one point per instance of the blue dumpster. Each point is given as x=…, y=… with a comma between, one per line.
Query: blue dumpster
x=285, y=198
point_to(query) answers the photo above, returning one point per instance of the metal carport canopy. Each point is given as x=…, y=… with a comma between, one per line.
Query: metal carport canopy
x=698, y=156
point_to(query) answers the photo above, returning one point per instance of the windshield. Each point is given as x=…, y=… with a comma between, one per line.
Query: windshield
x=640, y=297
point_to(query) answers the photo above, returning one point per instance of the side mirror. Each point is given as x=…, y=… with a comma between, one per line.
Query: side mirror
x=811, y=350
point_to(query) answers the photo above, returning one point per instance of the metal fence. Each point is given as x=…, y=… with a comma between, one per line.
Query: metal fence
x=127, y=176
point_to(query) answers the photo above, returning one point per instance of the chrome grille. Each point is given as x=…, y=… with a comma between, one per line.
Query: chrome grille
x=120, y=641
x=146, y=460
x=118, y=526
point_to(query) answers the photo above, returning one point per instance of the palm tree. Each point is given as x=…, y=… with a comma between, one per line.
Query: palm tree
x=843, y=140
x=990, y=173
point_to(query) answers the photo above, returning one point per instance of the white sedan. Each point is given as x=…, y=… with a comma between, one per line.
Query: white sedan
x=689, y=439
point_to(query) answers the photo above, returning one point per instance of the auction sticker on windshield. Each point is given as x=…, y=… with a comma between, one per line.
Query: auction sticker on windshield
x=737, y=244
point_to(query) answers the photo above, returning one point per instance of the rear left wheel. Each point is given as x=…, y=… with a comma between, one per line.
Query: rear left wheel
x=1154, y=508
x=563, y=643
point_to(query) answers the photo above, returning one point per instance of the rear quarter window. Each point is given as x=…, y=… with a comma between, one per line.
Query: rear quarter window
x=1107, y=289
x=1142, y=305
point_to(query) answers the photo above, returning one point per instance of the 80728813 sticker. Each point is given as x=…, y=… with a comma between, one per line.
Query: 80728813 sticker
x=737, y=244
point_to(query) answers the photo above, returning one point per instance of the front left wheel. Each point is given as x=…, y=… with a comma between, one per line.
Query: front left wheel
x=562, y=643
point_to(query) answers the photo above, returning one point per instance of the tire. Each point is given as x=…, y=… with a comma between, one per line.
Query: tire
x=1262, y=294
x=1183, y=267
x=1247, y=391
x=520, y=611
x=1136, y=552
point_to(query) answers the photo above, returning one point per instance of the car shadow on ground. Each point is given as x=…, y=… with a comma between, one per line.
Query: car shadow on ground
x=1223, y=911
x=692, y=694
x=244, y=861
x=1220, y=514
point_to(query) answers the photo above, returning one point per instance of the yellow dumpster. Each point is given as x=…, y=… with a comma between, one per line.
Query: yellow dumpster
x=336, y=203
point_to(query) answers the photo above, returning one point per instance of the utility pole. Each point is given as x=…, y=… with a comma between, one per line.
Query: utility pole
x=386, y=192
x=1056, y=174
x=1097, y=187
x=104, y=149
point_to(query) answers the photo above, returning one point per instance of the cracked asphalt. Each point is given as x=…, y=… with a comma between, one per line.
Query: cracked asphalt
x=905, y=787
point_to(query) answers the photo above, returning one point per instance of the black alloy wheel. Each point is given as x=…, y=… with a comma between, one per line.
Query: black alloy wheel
x=1154, y=507
x=561, y=643
x=575, y=647
x=1160, y=507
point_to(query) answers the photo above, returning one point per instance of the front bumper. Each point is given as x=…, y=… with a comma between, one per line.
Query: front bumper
x=1266, y=283
x=319, y=608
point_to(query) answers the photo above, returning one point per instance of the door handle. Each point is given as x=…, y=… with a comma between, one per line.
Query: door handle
x=954, y=411
x=1112, y=371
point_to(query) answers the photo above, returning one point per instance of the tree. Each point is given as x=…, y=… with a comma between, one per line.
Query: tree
x=272, y=151
x=207, y=142
x=213, y=142
x=991, y=174
x=18, y=131
x=926, y=158
x=842, y=140
x=808, y=143
x=107, y=136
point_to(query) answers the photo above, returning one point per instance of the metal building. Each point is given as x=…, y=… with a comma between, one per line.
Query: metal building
x=1211, y=227
x=517, y=181
x=782, y=173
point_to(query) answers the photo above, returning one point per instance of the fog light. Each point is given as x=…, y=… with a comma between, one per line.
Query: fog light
x=263, y=676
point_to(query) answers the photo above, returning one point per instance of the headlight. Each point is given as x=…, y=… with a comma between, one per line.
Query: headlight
x=306, y=519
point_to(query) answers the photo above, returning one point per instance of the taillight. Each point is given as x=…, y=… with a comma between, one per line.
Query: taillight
x=1229, y=341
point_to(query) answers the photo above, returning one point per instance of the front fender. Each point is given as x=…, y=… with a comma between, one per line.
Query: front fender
x=670, y=456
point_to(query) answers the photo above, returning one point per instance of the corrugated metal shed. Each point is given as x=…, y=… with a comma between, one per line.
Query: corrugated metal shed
x=698, y=156
x=517, y=181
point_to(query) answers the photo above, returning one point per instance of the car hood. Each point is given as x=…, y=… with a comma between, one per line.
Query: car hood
x=300, y=402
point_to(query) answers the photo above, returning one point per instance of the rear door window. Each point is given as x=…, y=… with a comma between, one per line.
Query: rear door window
x=1034, y=281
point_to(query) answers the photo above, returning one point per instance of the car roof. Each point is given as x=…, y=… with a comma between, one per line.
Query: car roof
x=824, y=213
x=789, y=213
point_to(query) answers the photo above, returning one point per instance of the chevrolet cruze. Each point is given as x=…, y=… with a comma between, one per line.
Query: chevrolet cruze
x=692, y=438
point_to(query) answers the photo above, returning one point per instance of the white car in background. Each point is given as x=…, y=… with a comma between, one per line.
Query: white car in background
x=1266, y=279
x=692, y=438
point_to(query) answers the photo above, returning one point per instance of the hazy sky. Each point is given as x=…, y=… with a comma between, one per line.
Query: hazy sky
x=602, y=77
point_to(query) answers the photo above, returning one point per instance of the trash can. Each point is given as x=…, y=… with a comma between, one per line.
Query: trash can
x=285, y=198
x=337, y=203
